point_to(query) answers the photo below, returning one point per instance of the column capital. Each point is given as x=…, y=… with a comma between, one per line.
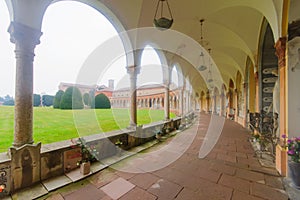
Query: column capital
x=280, y=47
x=25, y=34
x=133, y=70
x=166, y=82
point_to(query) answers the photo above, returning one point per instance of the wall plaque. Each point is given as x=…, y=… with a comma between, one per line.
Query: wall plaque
x=4, y=181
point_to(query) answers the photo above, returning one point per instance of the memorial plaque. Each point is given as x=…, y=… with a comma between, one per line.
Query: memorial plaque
x=25, y=166
x=4, y=181
x=71, y=159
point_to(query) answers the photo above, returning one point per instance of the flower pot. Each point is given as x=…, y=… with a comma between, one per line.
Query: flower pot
x=294, y=173
x=85, y=168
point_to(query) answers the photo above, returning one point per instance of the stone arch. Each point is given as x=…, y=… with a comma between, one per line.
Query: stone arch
x=160, y=55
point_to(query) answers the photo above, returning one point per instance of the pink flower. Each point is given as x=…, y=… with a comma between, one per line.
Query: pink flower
x=283, y=136
x=291, y=152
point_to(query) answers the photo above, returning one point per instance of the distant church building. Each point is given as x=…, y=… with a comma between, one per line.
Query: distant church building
x=148, y=96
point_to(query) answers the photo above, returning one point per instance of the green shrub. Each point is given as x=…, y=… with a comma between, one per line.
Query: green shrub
x=72, y=99
x=102, y=102
x=36, y=100
x=48, y=100
x=57, y=99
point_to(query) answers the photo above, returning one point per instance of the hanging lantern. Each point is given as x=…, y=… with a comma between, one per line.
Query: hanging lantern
x=162, y=22
x=202, y=67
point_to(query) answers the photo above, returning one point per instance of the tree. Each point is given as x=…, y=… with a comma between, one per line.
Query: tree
x=86, y=99
x=57, y=99
x=72, y=99
x=102, y=101
x=48, y=100
x=36, y=100
x=8, y=101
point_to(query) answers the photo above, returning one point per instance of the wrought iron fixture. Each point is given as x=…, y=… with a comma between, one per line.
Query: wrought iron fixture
x=202, y=41
x=202, y=66
x=209, y=74
x=162, y=22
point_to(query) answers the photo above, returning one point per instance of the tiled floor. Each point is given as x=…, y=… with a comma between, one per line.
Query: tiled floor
x=230, y=171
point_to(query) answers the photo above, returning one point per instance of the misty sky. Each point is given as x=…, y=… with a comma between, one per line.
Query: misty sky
x=71, y=31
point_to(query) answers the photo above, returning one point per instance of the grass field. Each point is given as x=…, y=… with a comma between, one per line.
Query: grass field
x=52, y=125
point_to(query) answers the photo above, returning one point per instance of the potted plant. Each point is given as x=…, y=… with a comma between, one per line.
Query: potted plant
x=293, y=147
x=119, y=143
x=89, y=154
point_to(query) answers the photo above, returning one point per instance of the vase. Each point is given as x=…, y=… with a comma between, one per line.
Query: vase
x=294, y=173
x=85, y=168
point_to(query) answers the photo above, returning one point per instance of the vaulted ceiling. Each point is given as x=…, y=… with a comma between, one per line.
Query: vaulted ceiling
x=231, y=27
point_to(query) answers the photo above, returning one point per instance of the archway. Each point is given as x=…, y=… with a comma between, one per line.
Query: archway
x=7, y=75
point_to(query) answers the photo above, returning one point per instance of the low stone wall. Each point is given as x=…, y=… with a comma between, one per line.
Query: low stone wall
x=61, y=157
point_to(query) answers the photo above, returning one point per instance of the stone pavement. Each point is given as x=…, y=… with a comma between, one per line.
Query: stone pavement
x=230, y=171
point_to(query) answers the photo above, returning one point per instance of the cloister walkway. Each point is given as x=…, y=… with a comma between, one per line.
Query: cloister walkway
x=230, y=171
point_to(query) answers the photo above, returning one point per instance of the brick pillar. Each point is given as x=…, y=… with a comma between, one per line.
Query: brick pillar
x=281, y=158
x=25, y=39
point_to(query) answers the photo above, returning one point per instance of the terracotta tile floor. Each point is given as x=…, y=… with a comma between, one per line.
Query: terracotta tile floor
x=229, y=171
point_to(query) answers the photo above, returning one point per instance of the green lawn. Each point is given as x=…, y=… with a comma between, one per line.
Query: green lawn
x=52, y=125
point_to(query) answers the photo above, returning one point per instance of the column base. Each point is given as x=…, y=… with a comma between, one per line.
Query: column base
x=18, y=145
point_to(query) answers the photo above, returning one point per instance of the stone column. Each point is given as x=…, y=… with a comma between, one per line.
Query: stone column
x=133, y=71
x=167, y=99
x=25, y=39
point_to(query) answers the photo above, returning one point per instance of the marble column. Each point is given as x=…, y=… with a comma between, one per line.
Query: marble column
x=167, y=99
x=25, y=39
x=133, y=71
